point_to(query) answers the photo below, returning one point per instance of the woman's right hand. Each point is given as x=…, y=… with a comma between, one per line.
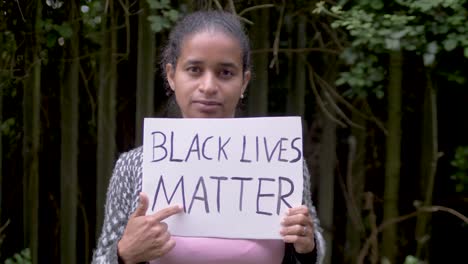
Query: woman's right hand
x=145, y=237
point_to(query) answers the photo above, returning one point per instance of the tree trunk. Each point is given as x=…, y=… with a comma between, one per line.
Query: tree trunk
x=145, y=72
x=69, y=145
x=327, y=165
x=2, y=85
x=355, y=181
x=106, y=146
x=392, y=162
x=31, y=126
x=288, y=81
x=327, y=182
x=296, y=95
x=258, y=91
x=429, y=157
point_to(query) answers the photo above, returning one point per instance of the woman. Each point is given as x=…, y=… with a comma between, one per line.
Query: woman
x=207, y=66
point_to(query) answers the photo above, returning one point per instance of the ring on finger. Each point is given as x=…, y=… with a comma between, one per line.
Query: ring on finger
x=304, y=230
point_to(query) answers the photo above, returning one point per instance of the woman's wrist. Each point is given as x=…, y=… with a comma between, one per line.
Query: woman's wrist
x=122, y=255
x=307, y=257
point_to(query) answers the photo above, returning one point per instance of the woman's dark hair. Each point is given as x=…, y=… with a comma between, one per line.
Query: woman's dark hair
x=201, y=21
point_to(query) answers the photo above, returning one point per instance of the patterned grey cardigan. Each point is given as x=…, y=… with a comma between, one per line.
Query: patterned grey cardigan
x=122, y=200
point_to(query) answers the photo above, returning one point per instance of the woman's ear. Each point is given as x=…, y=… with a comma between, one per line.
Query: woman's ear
x=170, y=75
x=246, y=81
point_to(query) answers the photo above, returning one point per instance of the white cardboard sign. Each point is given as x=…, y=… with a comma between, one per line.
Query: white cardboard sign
x=234, y=177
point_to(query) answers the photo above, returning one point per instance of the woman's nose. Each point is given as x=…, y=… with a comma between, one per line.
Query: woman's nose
x=208, y=84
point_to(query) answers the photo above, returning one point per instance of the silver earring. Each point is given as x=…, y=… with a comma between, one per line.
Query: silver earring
x=242, y=96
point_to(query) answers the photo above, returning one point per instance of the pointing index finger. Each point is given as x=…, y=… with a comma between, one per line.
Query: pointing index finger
x=167, y=212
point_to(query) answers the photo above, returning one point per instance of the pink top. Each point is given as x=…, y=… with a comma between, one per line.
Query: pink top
x=198, y=250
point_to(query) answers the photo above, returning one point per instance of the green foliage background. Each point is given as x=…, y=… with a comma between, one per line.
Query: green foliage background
x=347, y=45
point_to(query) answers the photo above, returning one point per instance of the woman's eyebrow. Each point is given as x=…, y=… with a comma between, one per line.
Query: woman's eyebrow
x=193, y=62
x=228, y=64
x=221, y=64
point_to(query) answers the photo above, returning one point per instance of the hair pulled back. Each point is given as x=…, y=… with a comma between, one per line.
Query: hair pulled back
x=201, y=21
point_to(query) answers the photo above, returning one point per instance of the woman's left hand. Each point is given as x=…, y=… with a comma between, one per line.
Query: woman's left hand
x=298, y=228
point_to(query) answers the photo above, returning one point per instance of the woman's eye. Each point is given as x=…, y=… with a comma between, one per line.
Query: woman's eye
x=226, y=73
x=194, y=69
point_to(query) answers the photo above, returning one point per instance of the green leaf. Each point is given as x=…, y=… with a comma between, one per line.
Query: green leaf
x=166, y=24
x=442, y=29
x=432, y=47
x=428, y=59
x=157, y=23
x=51, y=39
x=65, y=30
x=26, y=253
x=392, y=44
x=47, y=24
x=156, y=27
x=399, y=34
x=450, y=44
x=340, y=81
x=18, y=258
x=154, y=4
x=377, y=4
x=411, y=260
x=173, y=15
x=379, y=93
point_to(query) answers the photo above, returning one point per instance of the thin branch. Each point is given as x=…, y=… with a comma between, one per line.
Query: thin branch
x=299, y=50
x=91, y=99
x=232, y=7
x=331, y=14
x=218, y=5
x=349, y=105
x=319, y=99
x=4, y=226
x=341, y=113
x=127, y=25
x=248, y=9
x=437, y=208
x=332, y=34
x=339, y=97
x=348, y=194
x=352, y=157
x=274, y=61
x=423, y=209
x=335, y=106
x=21, y=12
x=369, y=205
x=245, y=20
x=106, y=6
x=86, y=229
x=375, y=119
x=319, y=37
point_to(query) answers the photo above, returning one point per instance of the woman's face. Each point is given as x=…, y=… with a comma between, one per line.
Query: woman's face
x=208, y=79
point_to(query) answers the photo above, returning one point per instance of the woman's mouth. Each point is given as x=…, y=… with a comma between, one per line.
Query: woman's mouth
x=207, y=106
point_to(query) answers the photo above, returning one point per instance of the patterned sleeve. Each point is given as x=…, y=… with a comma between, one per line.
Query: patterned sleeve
x=307, y=199
x=117, y=211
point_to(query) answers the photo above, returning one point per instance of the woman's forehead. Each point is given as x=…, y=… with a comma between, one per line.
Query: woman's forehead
x=211, y=34
x=211, y=45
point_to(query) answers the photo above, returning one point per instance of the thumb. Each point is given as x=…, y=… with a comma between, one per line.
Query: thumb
x=142, y=206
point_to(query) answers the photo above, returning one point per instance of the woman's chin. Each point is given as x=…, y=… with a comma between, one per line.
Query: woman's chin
x=206, y=114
